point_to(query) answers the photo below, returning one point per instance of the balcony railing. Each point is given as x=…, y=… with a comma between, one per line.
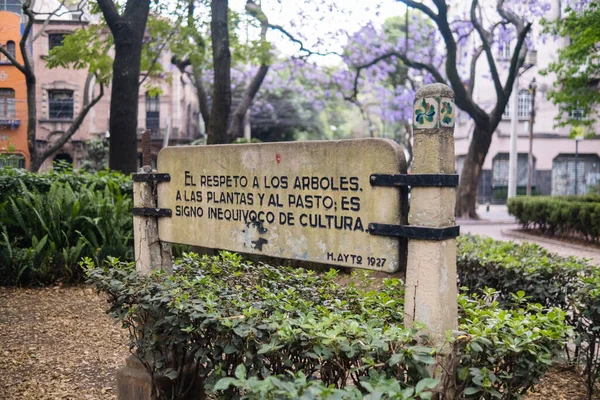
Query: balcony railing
x=9, y=122
x=159, y=133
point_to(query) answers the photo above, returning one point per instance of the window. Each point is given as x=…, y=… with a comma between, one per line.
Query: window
x=578, y=114
x=152, y=113
x=7, y=103
x=505, y=50
x=500, y=167
x=14, y=6
x=55, y=39
x=12, y=160
x=60, y=104
x=523, y=105
x=10, y=47
x=572, y=173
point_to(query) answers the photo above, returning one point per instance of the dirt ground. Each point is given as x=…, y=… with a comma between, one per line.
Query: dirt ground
x=57, y=343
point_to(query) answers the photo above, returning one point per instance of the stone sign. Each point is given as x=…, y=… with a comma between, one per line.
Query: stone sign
x=308, y=201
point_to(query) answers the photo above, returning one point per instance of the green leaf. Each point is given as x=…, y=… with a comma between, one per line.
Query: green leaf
x=240, y=372
x=224, y=383
x=471, y=390
x=427, y=383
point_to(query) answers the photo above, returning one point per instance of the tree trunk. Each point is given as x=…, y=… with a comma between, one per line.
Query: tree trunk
x=34, y=160
x=128, y=34
x=221, y=104
x=466, y=200
x=202, y=97
x=124, y=102
x=124, y=105
x=236, y=129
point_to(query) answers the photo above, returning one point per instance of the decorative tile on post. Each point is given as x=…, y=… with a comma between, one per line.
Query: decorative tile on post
x=447, y=112
x=426, y=113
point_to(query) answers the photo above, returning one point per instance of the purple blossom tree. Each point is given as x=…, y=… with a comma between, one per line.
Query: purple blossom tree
x=230, y=73
x=445, y=43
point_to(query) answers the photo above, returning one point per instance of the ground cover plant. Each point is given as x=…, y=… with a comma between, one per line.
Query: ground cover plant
x=569, y=216
x=569, y=283
x=44, y=235
x=230, y=329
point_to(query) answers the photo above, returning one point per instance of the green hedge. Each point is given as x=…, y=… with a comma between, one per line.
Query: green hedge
x=230, y=329
x=569, y=283
x=567, y=216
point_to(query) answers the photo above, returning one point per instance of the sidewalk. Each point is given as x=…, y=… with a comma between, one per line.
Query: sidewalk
x=500, y=225
x=497, y=214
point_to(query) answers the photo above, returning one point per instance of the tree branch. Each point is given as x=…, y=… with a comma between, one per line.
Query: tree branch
x=516, y=62
x=299, y=42
x=408, y=62
x=111, y=15
x=485, y=43
x=196, y=78
x=463, y=99
x=422, y=7
x=473, y=69
x=250, y=92
x=517, y=59
x=54, y=13
x=158, y=53
x=27, y=66
x=12, y=59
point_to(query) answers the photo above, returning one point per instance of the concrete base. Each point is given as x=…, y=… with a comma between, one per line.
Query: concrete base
x=133, y=382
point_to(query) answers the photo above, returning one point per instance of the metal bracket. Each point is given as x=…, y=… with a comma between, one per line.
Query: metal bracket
x=415, y=180
x=151, y=212
x=151, y=177
x=414, y=232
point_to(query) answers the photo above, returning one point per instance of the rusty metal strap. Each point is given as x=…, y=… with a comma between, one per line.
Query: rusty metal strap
x=151, y=212
x=415, y=180
x=414, y=232
x=151, y=177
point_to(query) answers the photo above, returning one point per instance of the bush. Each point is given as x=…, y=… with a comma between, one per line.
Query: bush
x=13, y=179
x=43, y=236
x=506, y=352
x=577, y=216
x=240, y=330
x=545, y=277
x=569, y=283
x=586, y=321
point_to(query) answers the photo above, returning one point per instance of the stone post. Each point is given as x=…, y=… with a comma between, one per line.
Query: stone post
x=431, y=292
x=150, y=252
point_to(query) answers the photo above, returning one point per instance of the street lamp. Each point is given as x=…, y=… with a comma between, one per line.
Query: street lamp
x=530, y=61
x=532, y=89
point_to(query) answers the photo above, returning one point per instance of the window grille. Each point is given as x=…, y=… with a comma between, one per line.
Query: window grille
x=55, y=39
x=14, y=6
x=60, y=104
x=505, y=52
x=12, y=160
x=523, y=105
x=153, y=113
x=7, y=103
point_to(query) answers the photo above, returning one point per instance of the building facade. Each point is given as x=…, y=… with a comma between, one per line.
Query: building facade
x=172, y=115
x=13, y=92
x=561, y=165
